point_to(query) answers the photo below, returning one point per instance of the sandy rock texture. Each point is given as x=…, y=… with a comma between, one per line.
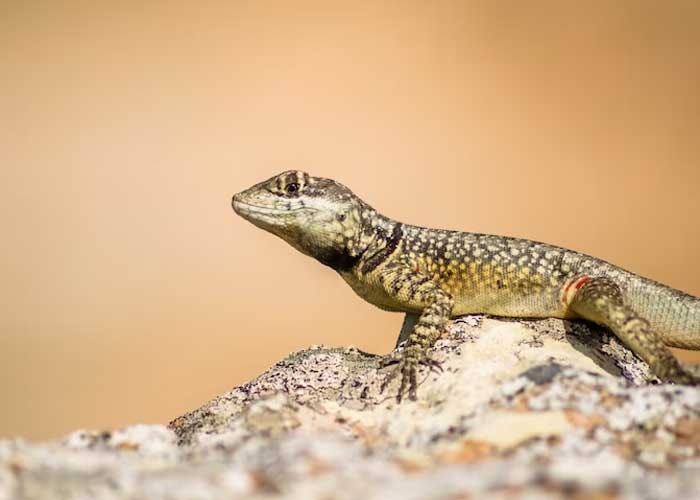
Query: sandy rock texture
x=527, y=409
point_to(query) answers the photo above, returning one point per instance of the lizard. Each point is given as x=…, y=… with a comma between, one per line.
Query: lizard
x=433, y=275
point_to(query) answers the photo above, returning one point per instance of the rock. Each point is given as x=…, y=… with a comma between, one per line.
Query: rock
x=523, y=409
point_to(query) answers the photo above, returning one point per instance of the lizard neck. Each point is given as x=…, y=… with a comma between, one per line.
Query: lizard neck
x=382, y=237
x=375, y=238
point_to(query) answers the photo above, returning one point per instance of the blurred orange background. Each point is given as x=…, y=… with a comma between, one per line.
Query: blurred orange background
x=130, y=290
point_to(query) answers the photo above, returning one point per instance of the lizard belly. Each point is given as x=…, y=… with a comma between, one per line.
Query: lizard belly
x=509, y=303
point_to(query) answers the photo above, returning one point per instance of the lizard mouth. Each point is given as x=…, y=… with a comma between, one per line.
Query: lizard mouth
x=243, y=208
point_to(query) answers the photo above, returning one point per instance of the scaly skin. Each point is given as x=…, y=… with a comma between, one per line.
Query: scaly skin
x=433, y=275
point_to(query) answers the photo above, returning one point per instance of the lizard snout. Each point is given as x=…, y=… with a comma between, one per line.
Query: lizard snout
x=235, y=203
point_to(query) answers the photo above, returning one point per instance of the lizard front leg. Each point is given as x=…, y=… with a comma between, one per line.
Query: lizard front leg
x=600, y=300
x=415, y=291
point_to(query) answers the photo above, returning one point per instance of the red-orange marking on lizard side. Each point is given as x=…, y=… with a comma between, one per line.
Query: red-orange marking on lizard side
x=582, y=282
x=577, y=284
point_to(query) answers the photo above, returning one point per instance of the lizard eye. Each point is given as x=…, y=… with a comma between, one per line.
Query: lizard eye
x=292, y=188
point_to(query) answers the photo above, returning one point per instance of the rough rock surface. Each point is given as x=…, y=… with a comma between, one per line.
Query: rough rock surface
x=533, y=409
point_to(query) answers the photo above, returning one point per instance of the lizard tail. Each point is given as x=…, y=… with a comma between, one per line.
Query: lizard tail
x=673, y=314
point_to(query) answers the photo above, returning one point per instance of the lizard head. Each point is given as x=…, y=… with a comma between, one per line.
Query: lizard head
x=319, y=217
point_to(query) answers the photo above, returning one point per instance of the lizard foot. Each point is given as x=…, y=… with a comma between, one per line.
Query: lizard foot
x=407, y=362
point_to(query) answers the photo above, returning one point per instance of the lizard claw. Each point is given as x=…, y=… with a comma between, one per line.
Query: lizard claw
x=408, y=362
x=434, y=365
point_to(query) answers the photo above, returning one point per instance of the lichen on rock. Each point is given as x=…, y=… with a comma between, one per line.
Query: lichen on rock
x=522, y=408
